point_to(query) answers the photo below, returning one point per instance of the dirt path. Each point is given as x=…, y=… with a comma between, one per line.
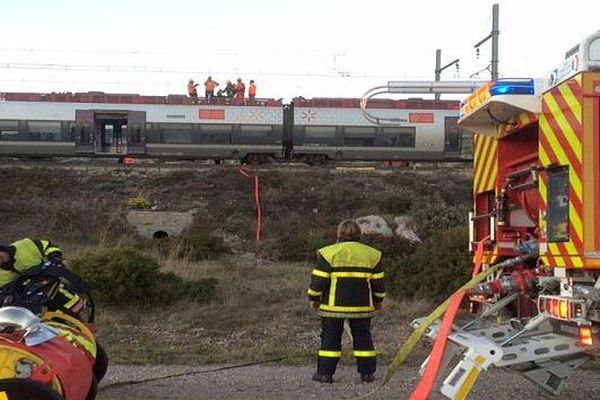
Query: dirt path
x=293, y=382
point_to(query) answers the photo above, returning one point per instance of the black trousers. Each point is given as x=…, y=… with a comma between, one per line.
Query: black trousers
x=331, y=345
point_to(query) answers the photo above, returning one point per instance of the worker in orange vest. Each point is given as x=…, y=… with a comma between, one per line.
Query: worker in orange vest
x=252, y=91
x=210, y=86
x=192, y=92
x=240, y=90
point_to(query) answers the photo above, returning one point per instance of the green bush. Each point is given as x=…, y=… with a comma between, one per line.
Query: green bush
x=295, y=237
x=200, y=247
x=193, y=247
x=392, y=248
x=126, y=276
x=434, y=215
x=435, y=270
x=139, y=203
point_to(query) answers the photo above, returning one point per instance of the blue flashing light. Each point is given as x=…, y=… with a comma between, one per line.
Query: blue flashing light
x=512, y=86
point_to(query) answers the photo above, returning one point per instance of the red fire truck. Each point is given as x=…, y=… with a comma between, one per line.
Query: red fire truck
x=535, y=227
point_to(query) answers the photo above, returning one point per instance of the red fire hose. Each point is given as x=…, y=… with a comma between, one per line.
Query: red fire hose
x=245, y=172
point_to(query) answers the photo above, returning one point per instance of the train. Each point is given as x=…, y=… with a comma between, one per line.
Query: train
x=318, y=130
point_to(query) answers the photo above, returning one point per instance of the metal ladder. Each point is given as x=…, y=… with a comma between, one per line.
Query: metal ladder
x=541, y=355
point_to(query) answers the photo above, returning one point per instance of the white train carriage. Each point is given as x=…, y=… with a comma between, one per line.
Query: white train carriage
x=107, y=125
x=336, y=129
x=317, y=130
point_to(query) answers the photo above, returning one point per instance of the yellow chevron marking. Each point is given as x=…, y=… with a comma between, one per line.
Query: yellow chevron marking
x=576, y=222
x=477, y=146
x=574, y=179
x=572, y=101
x=481, y=164
x=555, y=252
x=542, y=189
x=486, y=169
x=494, y=175
x=544, y=156
x=577, y=261
x=564, y=125
x=545, y=260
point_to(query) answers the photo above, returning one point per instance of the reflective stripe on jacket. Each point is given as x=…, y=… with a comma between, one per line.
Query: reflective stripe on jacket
x=347, y=280
x=28, y=253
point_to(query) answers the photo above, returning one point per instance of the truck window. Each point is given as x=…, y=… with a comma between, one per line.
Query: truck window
x=558, y=204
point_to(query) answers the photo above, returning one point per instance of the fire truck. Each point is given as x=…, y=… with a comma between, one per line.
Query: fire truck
x=535, y=228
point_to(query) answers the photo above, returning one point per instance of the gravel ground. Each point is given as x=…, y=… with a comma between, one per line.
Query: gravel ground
x=293, y=382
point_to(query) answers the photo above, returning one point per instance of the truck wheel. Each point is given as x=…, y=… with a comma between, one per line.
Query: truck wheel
x=26, y=389
x=101, y=363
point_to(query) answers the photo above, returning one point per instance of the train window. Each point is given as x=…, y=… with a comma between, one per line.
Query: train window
x=399, y=136
x=320, y=135
x=255, y=128
x=254, y=134
x=359, y=136
x=216, y=128
x=176, y=133
x=557, y=217
x=45, y=131
x=9, y=130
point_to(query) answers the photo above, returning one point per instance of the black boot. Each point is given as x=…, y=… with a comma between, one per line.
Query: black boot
x=322, y=378
x=367, y=378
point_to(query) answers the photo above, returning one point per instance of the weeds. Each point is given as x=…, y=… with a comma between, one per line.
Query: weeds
x=125, y=276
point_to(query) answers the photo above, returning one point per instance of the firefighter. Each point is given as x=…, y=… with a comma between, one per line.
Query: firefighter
x=347, y=284
x=240, y=90
x=229, y=90
x=27, y=253
x=192, y=91
x=210, y=86
x=252, y=91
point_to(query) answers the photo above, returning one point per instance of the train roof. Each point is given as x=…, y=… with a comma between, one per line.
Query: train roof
x=318, y=102
x=406, y=104
x=125, y=98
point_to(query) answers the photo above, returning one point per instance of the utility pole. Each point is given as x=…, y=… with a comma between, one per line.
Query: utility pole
x=494, y=34
x=439, y=68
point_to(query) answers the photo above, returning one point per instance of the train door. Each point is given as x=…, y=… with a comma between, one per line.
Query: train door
x=82, y=131
x=288, y=131
x=136, y=132
x=452, y=138
x=110, y=133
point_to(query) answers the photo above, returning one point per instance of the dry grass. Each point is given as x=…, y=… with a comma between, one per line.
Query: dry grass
x=262, y=312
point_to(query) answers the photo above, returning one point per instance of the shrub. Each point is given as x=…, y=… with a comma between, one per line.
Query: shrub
x=434, y=215
x=139, y=203
x=393, y=248
x=200, y=247
x=436, y=269
x=126, y=276
x=295, y=237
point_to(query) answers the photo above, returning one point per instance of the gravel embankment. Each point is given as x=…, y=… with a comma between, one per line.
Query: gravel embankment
x=293, y=382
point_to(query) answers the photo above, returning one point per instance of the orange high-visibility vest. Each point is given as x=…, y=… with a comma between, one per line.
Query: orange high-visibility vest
x=252, y=90
x=191, y=87
x=210, y=85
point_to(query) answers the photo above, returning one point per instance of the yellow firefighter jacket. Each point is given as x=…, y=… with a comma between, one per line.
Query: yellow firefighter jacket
x=347, y=280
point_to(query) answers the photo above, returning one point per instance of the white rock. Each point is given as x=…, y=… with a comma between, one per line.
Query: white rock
x=404, y=227
x=374, y=224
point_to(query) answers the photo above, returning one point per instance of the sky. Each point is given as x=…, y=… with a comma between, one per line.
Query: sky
x=309, y=48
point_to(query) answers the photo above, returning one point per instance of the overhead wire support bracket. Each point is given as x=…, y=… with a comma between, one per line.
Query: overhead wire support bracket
x=413, y=87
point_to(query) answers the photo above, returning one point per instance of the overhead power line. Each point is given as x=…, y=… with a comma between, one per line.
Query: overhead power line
x=190, y=71
x=166, y=52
